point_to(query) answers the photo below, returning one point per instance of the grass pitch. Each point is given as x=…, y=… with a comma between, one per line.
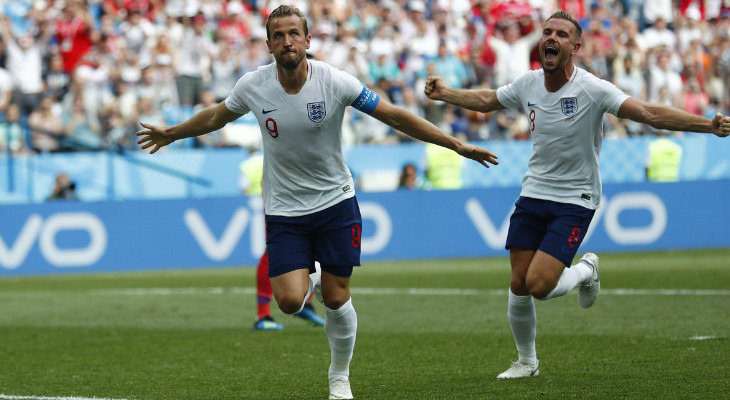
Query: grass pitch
x=432, y=329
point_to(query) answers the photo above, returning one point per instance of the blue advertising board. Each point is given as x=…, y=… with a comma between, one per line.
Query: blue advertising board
x=60, y=237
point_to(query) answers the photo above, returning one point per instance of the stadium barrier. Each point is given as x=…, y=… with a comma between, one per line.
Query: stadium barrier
x=62, y=237
x=135, y=175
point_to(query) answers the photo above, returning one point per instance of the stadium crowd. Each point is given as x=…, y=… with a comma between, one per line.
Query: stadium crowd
x=79, y=74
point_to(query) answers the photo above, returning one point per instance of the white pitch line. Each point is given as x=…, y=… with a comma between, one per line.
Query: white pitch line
x=9, y=397
x=401, y=291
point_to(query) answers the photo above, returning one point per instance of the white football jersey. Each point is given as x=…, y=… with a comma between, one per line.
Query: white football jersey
x=304, y=168
x=567, y=130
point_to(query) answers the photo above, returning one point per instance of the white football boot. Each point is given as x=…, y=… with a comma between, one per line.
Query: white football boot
x=340, y=387
x=520, y=370
x=588, y=290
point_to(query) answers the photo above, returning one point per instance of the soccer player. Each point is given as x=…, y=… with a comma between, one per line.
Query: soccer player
x=310, y=206
x=562, y=187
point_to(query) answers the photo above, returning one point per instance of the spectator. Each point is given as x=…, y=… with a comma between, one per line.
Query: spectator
x=12, y=134
x=512, y=52
x=6, y=90
x=663, y=160
x=94, y=75
x=662, y=76
x=25, y=63
x=629, y=79
x=63, y=189
x=450, y=68
x=73, y=33
x=46, y=127
x=443, y=170
x=384, y=67
x=655, y=10
x=692, y=99
x=193, y=59
x=136, y=32
x=409, y=178
x=82, y=128
x=56, y=79
x=659, y=35
x=433, y=110
x=225, y=71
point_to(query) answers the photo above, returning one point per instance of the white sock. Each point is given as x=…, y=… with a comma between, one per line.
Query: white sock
x=569, y=279
x=583, y=270
x=522, y=318
x=309, y=293
x=341, y=327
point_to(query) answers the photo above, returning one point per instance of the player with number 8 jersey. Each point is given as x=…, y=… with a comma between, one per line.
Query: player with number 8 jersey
x=562, y=187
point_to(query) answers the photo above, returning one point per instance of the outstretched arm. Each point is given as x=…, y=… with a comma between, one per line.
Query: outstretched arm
x=482, y=100
x=208, y=120
x=673, y=119
x=420, y=129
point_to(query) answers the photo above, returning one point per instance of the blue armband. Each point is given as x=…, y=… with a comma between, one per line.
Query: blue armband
x=366, y=101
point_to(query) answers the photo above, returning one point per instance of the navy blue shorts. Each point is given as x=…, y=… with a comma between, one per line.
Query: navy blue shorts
x=331, y=236
x=555, y=228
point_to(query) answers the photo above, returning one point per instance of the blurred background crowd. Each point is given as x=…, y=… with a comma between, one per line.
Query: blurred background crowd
x=78, y=75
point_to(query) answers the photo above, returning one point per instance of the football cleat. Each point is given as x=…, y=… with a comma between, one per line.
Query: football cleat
x=520, y=370
x=340, y=387
x=267, y=324
x=588, y=290
x=308, y=314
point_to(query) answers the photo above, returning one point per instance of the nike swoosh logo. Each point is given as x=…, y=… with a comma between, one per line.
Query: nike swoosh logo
x=264, y=111
x=531, y=104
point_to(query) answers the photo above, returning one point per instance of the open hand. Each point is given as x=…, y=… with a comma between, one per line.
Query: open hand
x=153, y=136
x=478, y=154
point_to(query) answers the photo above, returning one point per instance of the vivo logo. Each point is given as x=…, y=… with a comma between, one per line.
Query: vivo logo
x=220, y=248
x=220, y=245
x=14, y=254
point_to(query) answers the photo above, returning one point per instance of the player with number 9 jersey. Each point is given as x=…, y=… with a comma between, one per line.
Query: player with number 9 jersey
x=304, y=169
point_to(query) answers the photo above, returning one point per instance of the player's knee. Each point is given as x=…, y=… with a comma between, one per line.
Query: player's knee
x=518, y=286
x=289, y=304
x=539, y=289
x=335, y=301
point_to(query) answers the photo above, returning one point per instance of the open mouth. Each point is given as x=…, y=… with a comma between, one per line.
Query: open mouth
x=551, y=52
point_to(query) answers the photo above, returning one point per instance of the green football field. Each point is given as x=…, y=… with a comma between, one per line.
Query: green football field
x=433, y=329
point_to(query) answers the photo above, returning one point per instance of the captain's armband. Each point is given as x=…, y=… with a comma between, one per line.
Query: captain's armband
x=366, y=101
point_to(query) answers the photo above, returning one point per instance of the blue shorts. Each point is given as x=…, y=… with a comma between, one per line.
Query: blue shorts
x=331, y=236
x=555, y=228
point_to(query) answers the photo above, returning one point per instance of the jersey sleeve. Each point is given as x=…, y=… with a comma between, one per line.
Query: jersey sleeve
x=607, y=95
x=510, y=95
x=237, y=100
x=352, y=92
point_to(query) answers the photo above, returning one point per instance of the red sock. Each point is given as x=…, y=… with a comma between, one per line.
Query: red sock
x=264, y=293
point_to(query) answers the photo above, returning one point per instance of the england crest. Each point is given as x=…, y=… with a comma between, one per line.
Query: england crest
x=316, y=111
x=569, y=105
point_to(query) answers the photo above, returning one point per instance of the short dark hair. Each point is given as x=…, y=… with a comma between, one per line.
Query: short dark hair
x=564, y=15
x=284, y=11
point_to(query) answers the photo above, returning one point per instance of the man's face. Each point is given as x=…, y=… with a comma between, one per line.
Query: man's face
x=287, y=42
x=557, y=44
